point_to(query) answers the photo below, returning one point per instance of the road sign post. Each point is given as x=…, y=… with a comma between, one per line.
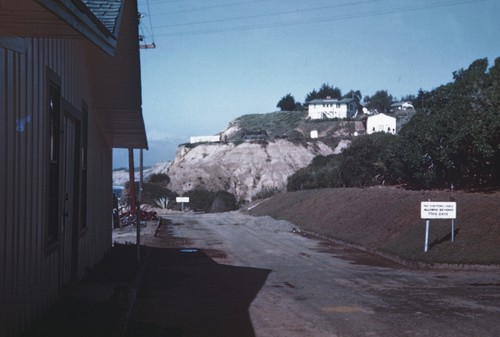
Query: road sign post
x=427, y=225
x=438, y=210
x=182, y=200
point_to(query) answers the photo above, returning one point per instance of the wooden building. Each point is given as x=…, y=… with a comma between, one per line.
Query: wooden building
x=70, y=92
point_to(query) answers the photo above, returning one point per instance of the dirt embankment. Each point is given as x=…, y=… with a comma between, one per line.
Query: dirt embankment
x=387, y=220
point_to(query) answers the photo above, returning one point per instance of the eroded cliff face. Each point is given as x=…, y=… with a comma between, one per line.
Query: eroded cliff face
x=243, y=169
x=252, y=166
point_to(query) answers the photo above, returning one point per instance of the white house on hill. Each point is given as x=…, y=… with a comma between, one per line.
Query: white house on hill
x=380, y=123
x=332, y=108
x=401, y=106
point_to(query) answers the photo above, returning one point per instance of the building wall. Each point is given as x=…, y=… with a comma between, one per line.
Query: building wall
x=30, y=271
x=204, y=139
x=330, y=110
x=380, y=123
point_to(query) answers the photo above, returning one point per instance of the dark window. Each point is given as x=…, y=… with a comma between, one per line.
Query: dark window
x=54, y=131
x=84, y=139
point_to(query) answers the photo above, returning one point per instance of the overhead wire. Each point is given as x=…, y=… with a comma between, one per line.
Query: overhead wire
x=256, y=16
x=150, y=22
x=196, y=9
x=320, y=19
x=145, y=44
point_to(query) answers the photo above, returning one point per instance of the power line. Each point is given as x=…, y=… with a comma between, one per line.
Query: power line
x=146, y=45
x=323, y=19
x=150, y=23
x=196, y=9
x=268, y=14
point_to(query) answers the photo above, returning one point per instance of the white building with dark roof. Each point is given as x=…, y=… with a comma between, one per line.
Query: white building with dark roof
x=402, y=106
x=332, y=108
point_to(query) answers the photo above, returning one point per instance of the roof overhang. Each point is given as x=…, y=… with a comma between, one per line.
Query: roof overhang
x=113, y=57
x=58, y=19
x=77, y=15
x=116, y=85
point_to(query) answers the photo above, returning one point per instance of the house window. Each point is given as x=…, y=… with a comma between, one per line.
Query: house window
x=338, y=105
x=84, y=147
x=54, y=131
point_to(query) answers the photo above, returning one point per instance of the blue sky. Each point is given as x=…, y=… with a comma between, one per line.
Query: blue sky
x=216, y=60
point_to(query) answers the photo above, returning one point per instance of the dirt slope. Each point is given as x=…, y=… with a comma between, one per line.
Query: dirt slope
x=387, y=220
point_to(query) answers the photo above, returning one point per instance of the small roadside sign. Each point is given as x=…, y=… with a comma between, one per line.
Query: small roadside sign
x=438, y=210
x=182, y=201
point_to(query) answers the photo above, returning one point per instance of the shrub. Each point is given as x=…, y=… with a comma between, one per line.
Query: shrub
x=200, y=199
x=362, y=164
x=224, y=202
x=159, y=178
x=152, y=192
x=203, y=200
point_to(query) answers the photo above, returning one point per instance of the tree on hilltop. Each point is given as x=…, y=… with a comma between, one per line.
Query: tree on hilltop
x=381, y=101
x=354, y=94
x=325, y=91
x=287, y=103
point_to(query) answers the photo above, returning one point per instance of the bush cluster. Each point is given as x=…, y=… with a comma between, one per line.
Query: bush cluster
x=200, y=199
x=209, y=201
x=152, y=191
x=453, y=140
x=362, y=164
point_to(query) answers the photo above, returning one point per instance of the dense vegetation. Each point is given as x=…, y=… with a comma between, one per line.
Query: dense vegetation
x=155, y=189
x=454, y=139
x=211, y=201
x=362, y=164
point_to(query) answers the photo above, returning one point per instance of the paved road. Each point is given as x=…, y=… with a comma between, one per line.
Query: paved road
x=319, y=289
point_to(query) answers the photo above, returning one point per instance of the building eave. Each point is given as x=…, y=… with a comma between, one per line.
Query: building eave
x=77, y=15
x=116, y=86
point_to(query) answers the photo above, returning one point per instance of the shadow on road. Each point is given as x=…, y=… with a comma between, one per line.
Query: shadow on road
x=185, y=293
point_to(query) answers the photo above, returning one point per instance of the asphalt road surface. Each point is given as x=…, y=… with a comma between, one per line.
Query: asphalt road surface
x=316, y=288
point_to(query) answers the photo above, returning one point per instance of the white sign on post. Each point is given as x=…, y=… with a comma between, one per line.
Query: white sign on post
x=438, y=210
x=182, y=201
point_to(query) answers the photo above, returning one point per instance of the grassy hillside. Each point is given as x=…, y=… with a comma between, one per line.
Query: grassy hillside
x=286, y=123
x=276, y=124
x=387, y=220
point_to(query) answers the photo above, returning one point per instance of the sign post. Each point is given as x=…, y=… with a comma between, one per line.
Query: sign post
x=182, y=200
x=427, y=225
x=438, y=210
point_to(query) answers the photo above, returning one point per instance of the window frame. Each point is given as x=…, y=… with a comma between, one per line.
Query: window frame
x=53, y=110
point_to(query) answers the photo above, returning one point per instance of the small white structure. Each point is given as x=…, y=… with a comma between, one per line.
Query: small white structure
x=204, y=139
x=314, y=134
x=380, y=123
x=402, y=106
x=332, y=108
